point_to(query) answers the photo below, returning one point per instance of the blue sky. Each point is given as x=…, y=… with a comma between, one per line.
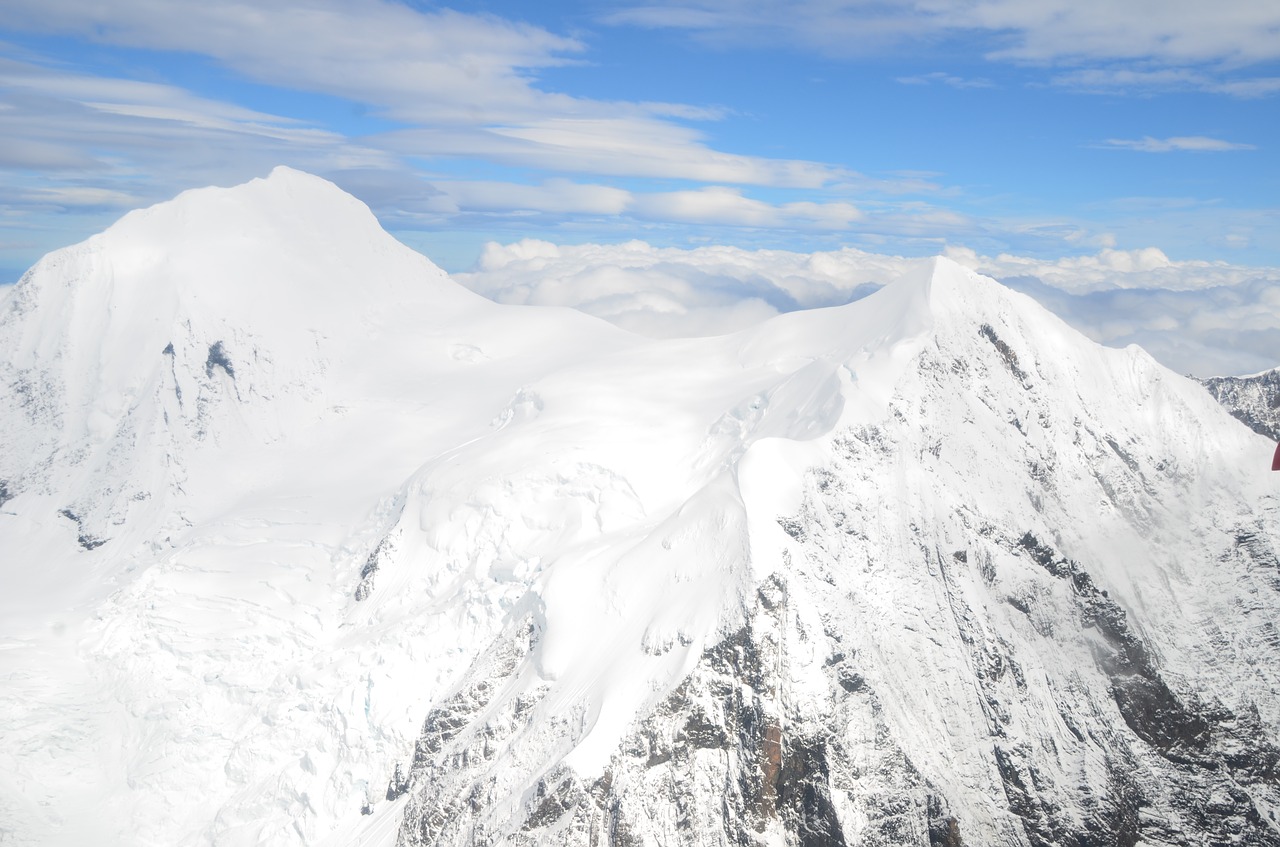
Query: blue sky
x=1039, y=128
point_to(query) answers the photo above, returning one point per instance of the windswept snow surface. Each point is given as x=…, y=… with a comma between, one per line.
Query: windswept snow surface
x=276, y=491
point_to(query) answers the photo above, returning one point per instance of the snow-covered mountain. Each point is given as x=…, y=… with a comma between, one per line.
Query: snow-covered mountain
x=305, y=544
x=1254, y=400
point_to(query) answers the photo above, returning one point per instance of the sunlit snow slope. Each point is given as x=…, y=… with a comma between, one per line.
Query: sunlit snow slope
x=305, y=544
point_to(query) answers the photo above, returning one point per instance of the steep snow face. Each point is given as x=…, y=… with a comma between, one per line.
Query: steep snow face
x=309, y=545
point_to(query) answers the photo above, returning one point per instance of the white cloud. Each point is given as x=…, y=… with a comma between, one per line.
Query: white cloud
x=627, y=284
x=675, y=292
x=1145, y=80
x=613, y=146
x=79, y=149
x=1170, y=31
x=83, y=196
x=1197, y=317
x=66, y=131
x=1189, y=143
x=556, y=195
x=462, y=85
x=1111, y=269
x=130, y=98
x=1158, y=38
x=831, y=27
x=457, y=86
x=149, y=140
x=1202, y=331
x=1203, y=318
x=721, y=205
x=59, y=110
x=1249, y=87
x=941, y=78
x=713, y=206
x=413, y=64
x=43, y=155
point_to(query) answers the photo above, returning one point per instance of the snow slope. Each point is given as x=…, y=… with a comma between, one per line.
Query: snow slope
x=297, y=529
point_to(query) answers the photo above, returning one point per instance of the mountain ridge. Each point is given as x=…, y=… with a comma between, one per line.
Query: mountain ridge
x=510, y=575
x=564, y=808
x=1254, y=400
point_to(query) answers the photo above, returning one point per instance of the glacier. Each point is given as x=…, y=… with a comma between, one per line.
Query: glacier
x=306, y=544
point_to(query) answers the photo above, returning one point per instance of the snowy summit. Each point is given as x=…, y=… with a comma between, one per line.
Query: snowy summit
x=304, y=543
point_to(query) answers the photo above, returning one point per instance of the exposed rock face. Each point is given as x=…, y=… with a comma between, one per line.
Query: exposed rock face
x=727, y=759
x=1255, y=400
x=777, y=737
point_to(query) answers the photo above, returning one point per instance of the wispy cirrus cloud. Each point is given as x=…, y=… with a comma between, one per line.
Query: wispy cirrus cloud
x=458, y=84
x=1113, y=46
x=943, y=78
x=723, y=205
x=1185, y=143
x=71, y=128
x=1123, y=80
x=1174, y=33
x=411, y=64
x=446, y=120
x=557, y=196
x=444, y=87
x=713, y=205
x=1177, y=32
x=610, y=146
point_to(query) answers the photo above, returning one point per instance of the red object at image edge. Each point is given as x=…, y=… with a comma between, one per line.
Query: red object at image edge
x=1275, y=463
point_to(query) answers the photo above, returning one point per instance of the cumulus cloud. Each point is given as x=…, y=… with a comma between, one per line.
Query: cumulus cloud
x=1201, y=318
x=1197, y=317
x=1188, y=143
x=670, y=292
x=1111, y=269
x=1217, y=331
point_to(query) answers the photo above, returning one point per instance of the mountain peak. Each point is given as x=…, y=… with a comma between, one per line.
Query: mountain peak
x=930, y=562
x=265, y=252
x=951, y=282
x=287, y=203
x=264, y=270
x=284, y=174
